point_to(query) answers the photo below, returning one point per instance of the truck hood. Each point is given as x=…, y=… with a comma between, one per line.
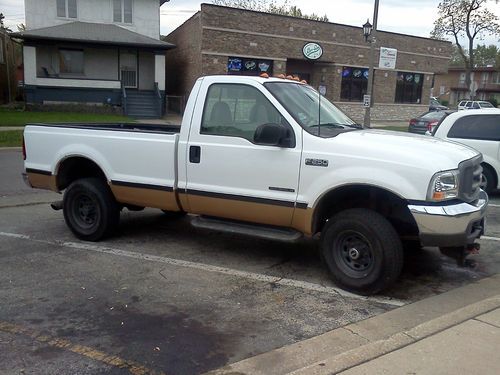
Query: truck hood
x=412, y=150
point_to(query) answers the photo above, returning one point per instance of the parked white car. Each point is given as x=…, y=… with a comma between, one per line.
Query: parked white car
x=472, y=104
x=479, y=129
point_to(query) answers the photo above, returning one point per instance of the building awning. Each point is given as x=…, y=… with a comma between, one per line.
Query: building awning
x=92, y=33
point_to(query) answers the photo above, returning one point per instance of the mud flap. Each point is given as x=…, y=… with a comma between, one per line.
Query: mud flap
x=461, y=253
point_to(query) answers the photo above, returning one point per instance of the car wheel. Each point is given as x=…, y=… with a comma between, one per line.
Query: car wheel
x=488, y=180
x=90, y=209
x=362, y=251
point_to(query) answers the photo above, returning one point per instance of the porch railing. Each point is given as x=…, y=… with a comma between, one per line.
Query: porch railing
x=159, y=100
x=124, y=99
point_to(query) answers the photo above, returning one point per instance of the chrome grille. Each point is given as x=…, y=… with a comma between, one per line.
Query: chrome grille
x=470, y=179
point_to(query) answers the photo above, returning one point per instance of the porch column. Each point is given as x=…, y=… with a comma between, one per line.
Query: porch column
x=160, y=71
x=29, y=65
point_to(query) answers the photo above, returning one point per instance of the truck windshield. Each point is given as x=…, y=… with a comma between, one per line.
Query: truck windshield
x=316, y=115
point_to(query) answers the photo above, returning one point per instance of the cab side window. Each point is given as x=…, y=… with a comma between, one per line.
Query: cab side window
x=237, y=110
x=482, y=127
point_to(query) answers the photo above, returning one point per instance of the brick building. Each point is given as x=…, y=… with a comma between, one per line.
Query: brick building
x=222, y=40
x=451, y=86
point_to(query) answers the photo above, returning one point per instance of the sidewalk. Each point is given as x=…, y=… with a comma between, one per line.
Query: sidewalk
x=457, y=332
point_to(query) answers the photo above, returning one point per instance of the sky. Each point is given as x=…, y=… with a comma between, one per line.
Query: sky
x=414, y=17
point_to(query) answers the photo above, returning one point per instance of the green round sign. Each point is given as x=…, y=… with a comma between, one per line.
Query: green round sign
x=312, y=51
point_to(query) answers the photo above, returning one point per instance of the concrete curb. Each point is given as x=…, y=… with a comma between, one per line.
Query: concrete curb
x=400, y=340
x=10, y=148
x=357, y=343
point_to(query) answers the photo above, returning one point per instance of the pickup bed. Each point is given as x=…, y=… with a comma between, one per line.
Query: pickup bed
x=269, y=157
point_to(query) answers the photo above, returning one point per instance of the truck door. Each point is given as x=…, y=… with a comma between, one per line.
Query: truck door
x=228, y=174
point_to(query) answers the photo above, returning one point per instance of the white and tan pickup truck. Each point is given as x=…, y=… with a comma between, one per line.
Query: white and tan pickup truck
x=269, y=157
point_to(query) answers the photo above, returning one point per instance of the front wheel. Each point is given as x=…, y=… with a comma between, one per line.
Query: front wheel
x=362, y=251
x=90, y=209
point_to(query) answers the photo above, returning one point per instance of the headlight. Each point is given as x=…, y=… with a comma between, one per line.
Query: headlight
x=443, y=186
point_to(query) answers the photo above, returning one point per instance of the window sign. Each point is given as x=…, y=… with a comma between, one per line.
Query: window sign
x=312, y=51
x=248, y=66
x=354, y=83
x=388, y=57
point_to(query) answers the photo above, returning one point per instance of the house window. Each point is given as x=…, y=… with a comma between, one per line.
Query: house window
x=409, y=87
x=484, y=77
x=66, y=8
x=122, y=11
x=354, y=83
x=71, y=61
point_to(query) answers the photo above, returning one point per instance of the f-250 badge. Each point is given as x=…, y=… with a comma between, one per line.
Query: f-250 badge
x=317, y=162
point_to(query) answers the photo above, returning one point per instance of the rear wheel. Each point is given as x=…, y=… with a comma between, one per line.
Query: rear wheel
x=362, y=251
x=90, y=209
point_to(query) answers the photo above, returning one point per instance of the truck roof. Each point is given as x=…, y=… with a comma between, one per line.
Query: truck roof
x=239, y=78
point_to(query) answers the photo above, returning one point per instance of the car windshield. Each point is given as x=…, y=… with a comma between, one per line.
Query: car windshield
x=486, y=105
x=316, y=114
x=436, y=115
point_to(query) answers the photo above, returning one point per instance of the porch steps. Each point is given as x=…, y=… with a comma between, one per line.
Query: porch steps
x=143, y=104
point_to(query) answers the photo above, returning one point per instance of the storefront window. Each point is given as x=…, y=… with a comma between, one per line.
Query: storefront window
x=249, y=67
x=354, y=83
x=409, y=87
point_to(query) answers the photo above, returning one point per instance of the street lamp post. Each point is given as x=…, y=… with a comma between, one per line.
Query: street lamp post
x=369, y=33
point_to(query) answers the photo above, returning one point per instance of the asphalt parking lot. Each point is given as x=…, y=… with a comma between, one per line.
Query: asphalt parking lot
x=163, y=297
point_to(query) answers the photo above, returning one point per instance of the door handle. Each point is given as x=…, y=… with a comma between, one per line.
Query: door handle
x=194, y=154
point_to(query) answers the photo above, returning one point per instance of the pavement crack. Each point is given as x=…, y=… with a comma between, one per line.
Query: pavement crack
x=477, y=319
x=356, y=333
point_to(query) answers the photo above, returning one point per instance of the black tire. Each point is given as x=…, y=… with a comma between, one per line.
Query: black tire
x=90, y=209
x=488, y=180
x=362, y=251
x=174, y=214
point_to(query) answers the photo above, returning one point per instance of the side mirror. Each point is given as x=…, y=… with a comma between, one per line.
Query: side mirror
x=273, y=135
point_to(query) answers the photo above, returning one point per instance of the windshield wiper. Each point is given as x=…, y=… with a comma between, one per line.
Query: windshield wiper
x=331, y=125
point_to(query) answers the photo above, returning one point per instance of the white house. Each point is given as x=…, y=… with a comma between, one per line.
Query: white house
x=95, y=51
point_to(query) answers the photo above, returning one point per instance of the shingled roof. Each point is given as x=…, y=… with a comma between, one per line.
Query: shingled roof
x=93, y=33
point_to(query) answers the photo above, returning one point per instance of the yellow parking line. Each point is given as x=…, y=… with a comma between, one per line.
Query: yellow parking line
x=133, y=367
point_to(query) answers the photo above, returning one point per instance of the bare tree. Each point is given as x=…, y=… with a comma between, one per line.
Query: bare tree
x=469, y=20
x=271, y=6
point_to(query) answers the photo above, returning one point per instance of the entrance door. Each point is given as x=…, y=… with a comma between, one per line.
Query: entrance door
x=300, y=68
x=128, y=68
x=230, y=176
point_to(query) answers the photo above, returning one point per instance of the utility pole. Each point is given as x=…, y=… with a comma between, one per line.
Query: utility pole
x=372, y=39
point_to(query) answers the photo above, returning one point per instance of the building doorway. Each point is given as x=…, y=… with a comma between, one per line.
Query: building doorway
x=300, y=68
x=128, y=68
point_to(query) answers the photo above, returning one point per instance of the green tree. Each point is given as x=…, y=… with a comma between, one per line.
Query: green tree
x=465, y=19
x=486, y=55
x=271, y=6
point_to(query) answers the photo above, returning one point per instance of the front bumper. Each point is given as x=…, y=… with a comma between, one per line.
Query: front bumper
x=458, y=224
